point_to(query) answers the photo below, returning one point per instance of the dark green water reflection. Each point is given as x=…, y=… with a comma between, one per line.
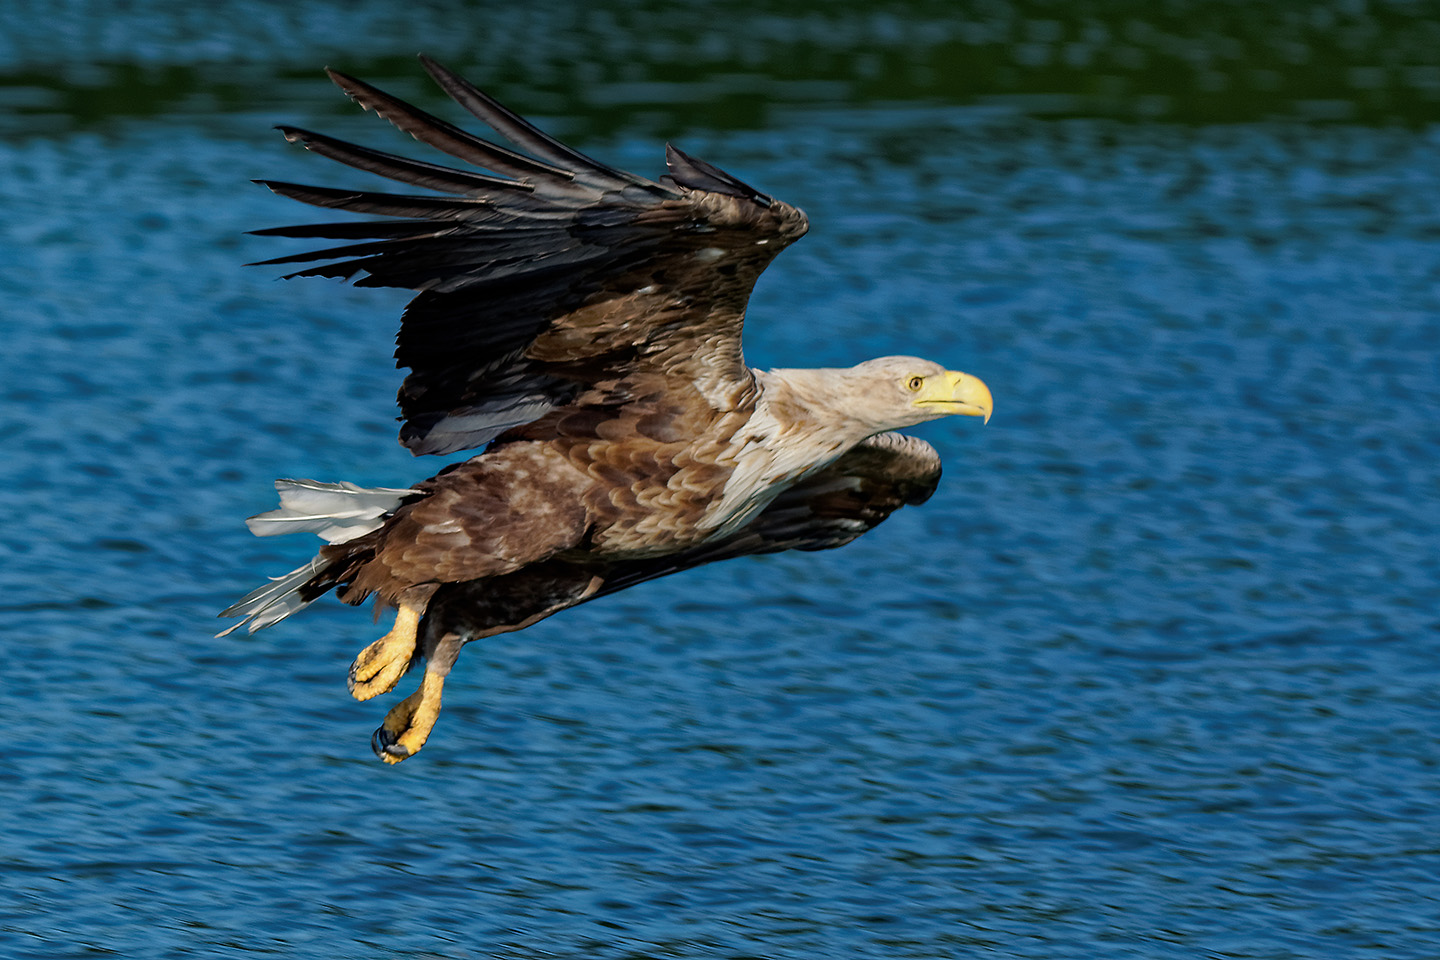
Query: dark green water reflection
x=1190, y=61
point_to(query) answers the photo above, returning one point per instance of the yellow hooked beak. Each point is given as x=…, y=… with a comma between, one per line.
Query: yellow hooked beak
x=957, y=392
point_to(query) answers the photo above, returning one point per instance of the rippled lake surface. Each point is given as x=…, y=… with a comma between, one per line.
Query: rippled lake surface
x=1154, y=675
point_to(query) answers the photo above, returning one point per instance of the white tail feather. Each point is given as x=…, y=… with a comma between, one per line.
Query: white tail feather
x=334, y=512
x=273, y=601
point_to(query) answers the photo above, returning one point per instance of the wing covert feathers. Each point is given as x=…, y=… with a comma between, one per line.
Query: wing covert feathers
x=545, y=280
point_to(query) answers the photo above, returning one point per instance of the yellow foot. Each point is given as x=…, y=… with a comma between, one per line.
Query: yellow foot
x=407, y=726
x=380, y=665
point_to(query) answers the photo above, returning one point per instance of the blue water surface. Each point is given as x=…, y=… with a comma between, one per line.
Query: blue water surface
x=1154, y=675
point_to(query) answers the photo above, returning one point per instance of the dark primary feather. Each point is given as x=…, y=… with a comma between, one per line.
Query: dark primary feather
x=418, y=172
x=545, y=286
x=444, y=136
x=355, y=229
x=527, y=136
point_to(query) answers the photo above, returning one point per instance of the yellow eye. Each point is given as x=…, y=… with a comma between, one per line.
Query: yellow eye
x=916, y=383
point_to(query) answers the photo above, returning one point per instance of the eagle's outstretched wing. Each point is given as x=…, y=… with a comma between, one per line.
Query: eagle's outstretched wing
x=552, y=282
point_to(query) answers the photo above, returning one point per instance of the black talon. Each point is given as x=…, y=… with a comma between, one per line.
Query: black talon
x=383, y=743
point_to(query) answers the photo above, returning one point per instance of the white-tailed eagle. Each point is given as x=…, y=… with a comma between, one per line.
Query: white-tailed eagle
x=581, y=327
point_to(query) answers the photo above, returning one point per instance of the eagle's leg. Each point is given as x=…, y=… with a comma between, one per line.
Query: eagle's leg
x=379, y=666
x=407, y=726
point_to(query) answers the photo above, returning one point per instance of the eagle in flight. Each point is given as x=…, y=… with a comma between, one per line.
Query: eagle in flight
x=580, y=326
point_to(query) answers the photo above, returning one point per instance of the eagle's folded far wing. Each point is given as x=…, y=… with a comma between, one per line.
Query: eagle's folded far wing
x=830, y=508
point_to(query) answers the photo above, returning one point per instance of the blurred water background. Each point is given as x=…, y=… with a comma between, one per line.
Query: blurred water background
x=1155, y=674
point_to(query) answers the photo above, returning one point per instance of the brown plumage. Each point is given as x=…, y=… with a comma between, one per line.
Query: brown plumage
x=583, y=326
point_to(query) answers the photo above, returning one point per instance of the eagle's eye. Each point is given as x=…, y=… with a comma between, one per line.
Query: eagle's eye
x=915, y=383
